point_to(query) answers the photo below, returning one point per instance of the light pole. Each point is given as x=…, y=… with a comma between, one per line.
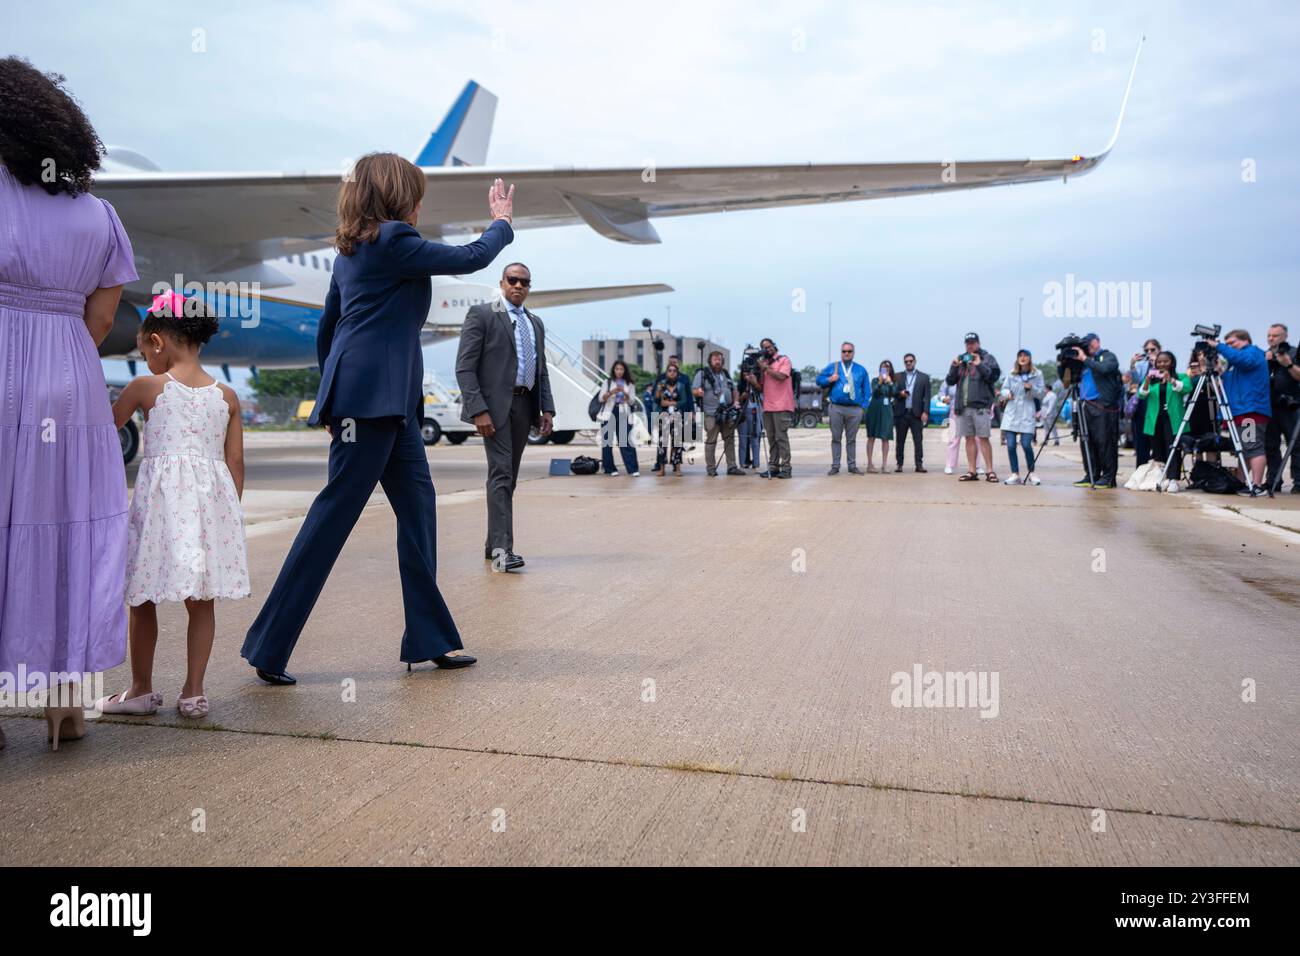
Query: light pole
x=830, y=352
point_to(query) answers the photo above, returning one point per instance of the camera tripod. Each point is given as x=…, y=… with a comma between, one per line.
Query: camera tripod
x=1078, y=428
x=1220, y=399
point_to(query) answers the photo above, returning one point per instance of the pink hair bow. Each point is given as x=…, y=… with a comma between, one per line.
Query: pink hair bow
x=172, y=300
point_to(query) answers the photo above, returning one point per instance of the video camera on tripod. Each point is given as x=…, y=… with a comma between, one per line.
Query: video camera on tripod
x=1066, y=359
x=749, y=359
x=1203, y=351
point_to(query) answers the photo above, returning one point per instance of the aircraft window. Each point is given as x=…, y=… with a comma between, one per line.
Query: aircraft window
x=315, y=263
x=302, y=260
x=328, y=266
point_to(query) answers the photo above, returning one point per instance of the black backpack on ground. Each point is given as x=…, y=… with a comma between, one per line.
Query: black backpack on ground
x=584, y=465
x=1213, y=478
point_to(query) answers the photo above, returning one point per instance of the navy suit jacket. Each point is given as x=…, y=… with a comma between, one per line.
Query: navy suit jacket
x=368, y=343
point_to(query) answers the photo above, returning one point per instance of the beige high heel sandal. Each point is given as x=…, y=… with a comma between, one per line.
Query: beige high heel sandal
x=57, y=717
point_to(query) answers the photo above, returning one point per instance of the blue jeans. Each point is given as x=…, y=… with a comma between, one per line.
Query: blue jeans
x=1026, y=442
x=619, y=428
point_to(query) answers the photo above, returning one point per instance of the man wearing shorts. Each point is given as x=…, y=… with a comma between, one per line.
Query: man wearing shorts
x=974, y=375
x=1246, y=385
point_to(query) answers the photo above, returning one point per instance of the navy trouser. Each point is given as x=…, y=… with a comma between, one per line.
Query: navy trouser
x=381, y=451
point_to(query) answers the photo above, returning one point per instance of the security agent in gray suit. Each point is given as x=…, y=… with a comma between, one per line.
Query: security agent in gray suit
x=504, y=391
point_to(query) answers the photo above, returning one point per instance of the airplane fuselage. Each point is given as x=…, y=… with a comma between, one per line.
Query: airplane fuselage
x=273, y=325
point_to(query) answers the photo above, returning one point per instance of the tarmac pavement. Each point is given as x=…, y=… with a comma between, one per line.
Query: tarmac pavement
x=706, y=670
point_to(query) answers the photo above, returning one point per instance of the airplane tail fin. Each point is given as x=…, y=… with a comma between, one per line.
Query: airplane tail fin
x=462, y=137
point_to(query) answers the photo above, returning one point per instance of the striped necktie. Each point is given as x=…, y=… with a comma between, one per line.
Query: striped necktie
x=527, y=354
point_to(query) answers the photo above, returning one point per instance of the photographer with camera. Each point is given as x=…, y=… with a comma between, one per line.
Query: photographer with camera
x=670, y=396
x=1101, y=397
x=1140, y=367
x=1163, y=392
x=771, y=374
x=974, y=375
x=1246, y=385
x=1284, y=394
x=719, y=402
x=617, y=403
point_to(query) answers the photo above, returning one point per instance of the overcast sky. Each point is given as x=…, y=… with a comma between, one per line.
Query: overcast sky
x=287, y=85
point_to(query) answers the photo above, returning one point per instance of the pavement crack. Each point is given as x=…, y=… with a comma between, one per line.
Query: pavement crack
x=715, y=769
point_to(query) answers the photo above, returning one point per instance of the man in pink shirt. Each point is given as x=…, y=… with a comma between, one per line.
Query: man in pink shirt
x=778, y=406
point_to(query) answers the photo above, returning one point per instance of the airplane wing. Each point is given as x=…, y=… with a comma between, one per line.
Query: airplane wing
x=548, y=298
x=255, y=212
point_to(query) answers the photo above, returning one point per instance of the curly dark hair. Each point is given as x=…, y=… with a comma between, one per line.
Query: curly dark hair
x=45, y=138
x=195, y=326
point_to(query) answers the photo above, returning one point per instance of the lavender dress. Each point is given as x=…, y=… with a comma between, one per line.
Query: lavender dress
x=63, y=510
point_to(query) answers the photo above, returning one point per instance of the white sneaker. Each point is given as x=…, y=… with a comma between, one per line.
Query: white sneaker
x=947, y=470
x=979, y=469
x=636, y=474
x=1013, y=480
x=1033, y=480
x=612, y=474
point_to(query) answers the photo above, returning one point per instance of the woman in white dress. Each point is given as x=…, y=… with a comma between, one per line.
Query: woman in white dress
x=186, y=530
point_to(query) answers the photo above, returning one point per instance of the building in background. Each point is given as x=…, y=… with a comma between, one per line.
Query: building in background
x=636, y=349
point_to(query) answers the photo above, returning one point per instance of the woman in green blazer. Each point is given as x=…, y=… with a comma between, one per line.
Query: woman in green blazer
x=1165, y=391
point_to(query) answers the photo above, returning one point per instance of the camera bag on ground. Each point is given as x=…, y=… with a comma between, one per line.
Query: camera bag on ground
x=585, y=465
x=1213, y=478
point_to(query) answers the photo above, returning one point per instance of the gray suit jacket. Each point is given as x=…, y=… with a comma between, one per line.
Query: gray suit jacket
x=486, y=364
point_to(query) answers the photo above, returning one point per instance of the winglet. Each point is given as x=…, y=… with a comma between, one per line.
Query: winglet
x=1124, y=105
x=462, y=137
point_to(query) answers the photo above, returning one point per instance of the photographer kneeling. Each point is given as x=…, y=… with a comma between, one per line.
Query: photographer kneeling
x=1101, y=394
x=718, y=400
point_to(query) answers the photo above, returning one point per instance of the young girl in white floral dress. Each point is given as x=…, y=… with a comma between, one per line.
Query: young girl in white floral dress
x=186, y=530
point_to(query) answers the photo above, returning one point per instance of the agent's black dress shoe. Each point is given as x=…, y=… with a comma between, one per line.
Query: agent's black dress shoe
x=507, y=562
x=737, y=471
x=276, y=680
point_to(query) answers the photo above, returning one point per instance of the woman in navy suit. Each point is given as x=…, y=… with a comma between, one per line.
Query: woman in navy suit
x=370, y=401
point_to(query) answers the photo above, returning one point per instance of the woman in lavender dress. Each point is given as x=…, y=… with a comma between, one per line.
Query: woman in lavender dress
x=64, y=257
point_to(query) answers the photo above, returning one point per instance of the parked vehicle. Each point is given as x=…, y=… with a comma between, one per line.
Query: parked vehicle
x=938, y=412
x=811, y=406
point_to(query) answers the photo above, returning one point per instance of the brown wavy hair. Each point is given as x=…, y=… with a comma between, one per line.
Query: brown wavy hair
x=382, y=187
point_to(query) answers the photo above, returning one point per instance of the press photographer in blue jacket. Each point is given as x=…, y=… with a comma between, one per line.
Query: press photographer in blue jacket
x=1246, y=385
